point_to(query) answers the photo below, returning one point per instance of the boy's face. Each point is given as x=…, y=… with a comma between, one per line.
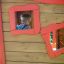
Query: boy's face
x=25, y=20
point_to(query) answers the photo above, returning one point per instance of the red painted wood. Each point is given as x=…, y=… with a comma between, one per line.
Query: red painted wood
x=36, y=23
x=45, y=32
x=2, y=56
x=51, y=1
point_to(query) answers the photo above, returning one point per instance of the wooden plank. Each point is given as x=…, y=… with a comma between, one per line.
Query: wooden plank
x=31, y=57
x=18, y=1
x=6, y=26
x=22, y=38
x=7, y=6
x=52, y=8
x=43, y=7
x=5, y=17
x=8, y=62
x=25, y=47
x=49, y=18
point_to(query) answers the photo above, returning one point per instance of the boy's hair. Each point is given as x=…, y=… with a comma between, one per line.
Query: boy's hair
x=26, y=15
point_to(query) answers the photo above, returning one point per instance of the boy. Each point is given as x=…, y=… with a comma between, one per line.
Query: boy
x=25, y=22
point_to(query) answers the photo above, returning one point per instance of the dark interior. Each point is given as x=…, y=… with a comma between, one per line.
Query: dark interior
x=60, y=38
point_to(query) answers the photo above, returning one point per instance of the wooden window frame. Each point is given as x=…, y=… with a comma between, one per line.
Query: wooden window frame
x=35, y=9
x=45, y=32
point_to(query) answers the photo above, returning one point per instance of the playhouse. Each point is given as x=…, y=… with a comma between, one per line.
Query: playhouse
x=22, y=25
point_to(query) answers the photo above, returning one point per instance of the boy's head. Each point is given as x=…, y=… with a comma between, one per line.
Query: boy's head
x=25, y=18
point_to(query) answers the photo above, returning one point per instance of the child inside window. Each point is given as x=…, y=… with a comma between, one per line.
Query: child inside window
x=25, y=22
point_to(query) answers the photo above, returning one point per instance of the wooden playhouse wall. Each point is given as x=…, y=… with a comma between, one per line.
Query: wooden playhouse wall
x=30, y=49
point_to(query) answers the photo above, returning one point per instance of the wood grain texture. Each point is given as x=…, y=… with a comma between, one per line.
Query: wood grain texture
x=17, y=1
x=26, y=63
x=30, y=49
x=25, y=47
x=43, y=7
x=31, y=57
x=22, y=38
